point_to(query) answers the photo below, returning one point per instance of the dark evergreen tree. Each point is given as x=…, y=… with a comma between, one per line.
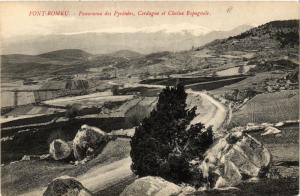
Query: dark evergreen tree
x=162, y=144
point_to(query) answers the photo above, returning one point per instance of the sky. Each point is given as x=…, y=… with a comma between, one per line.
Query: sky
x=15, y=20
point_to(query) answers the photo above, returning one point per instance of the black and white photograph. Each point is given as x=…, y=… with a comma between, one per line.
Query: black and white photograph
x=149, y=98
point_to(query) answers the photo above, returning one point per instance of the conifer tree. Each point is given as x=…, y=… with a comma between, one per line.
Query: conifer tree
x=162, y=145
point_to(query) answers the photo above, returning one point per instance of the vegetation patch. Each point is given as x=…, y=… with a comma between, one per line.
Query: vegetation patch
x=143, y=91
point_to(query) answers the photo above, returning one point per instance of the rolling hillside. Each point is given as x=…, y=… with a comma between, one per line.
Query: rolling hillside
x=275, y=41
x=60, y=62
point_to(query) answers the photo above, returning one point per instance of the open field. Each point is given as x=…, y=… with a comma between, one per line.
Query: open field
x=234, y=71
x=91, y=99
x=254, y=82
x=28, y=110
x=23, y=98
x=215, y=84
x=197, y=83
x=270, y=107
x=143, y=91
x=185, y=80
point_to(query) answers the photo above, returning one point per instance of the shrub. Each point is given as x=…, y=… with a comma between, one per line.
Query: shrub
x=72, y=111
x=115, y=90
x=137, y=114
x=163, y=146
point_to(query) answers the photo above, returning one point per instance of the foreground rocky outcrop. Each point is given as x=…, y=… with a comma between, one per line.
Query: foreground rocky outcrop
x=60, y=149
x=88, y=141
x=67, y=186
x=235, y=158
x=155, y=186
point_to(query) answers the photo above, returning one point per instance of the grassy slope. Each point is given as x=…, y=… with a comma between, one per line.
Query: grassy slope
x=270, y=107
x=284, y=149
x=278, y=187
x=24, y=176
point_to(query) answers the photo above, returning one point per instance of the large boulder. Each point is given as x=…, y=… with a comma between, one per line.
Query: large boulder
x=234, y=158
x=60, y=149
x=88, y=141
x=152, y=186
x=66, y=186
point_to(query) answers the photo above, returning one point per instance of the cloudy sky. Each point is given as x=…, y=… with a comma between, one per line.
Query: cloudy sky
x=15, y=20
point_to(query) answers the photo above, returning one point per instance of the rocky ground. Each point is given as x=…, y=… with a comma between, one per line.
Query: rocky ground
x=29, y=176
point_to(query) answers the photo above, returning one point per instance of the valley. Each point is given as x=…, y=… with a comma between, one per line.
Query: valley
x=241, y=81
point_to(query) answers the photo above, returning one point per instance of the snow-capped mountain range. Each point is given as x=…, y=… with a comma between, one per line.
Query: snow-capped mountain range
x=182, y=28
x=143, y=40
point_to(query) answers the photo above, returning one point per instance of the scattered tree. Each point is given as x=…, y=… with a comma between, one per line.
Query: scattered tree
x=241, y=69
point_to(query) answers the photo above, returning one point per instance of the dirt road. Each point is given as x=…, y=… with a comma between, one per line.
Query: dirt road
x=98, y=178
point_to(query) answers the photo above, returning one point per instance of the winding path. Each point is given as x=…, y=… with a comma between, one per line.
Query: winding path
x=215, y=117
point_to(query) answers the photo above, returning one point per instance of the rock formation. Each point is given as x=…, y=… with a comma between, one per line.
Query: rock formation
x=88, y=141
x=67, y=186
x=151, y=186
x=234, y=158
x=60, y=149
x=271, y=130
